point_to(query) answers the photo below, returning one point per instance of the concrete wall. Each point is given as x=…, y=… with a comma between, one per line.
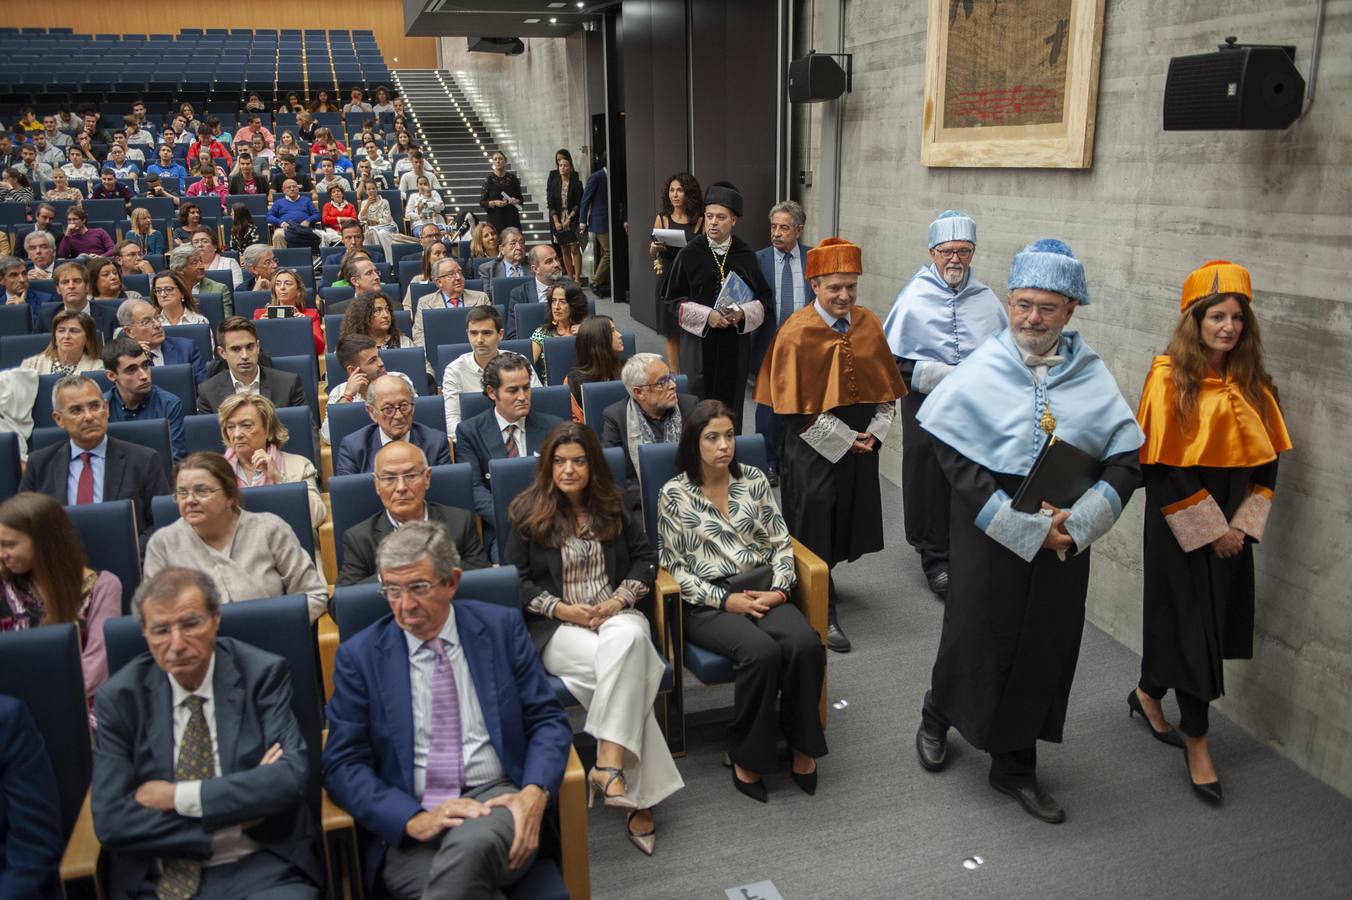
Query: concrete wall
x=1154, y=206
x=534, y=103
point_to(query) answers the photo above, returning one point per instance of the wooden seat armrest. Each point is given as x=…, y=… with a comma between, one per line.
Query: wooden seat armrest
x=573, y=828
x=327, y=640
x=328, y=551
x=666, y=604
x=334, y=817
x=81, y=859
x=326, y=461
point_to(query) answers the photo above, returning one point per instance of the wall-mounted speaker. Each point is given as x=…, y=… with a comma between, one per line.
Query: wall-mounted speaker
x=814, y=78
x=1237, y=87
x=508, y=46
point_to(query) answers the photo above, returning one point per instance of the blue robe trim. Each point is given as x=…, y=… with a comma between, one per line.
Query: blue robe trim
x=1020, y=532
x=930, y=321
x=1093, y=514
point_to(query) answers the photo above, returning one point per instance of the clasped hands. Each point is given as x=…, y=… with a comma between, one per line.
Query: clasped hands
x=753, y=603
x=1057, y=538
x=589, y=616
x=527, y=807
x=159, y=795
x=726, y=318
x=1229, y=544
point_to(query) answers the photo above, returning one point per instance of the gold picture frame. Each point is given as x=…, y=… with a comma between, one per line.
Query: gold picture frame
x=1011, y=83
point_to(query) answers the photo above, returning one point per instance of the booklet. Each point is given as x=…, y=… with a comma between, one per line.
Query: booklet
x=735, y=292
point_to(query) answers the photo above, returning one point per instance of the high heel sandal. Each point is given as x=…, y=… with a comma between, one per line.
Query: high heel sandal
x=617, y=801
x=645, y=841
x=1170, y=737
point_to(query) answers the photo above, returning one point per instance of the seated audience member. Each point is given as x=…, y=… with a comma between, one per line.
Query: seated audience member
x=46, y=580
x=548, y=271
x=96, y=134
x=433, y=251
x=30, y=819
x=370, y=314
x=140, y=321
x=294, y=218
x=121, y=163
x=61, y=188
x=189, y=220
x=92, y=467
x=109, y=189
x=14, y=188
x=130, y=257
x=329, y=179
x=353, y=238
x=189, y=263
x=465, y=373
x=133, y=396
x=213, y=184
x=289, y=290
x=259, y=262
x=247, y=555
x=402, y=477
x=461, y=817
x=376, y=217
x=74, y=347
x=72, y=284
x=174, y=301
x=246, y=178
x=424, y=206
x=510, y=263
x=382, y=102
x=508, y=430
x=360, y=358
x=253, y=439
x=653, y=413
x=567, y=309
x=243, y=231
x=483, y=241
x=200, y=769
x=285, y=168
x=80, y=239
x=389, y=403
x=208, y=141
x=105, y=281
x=254, y=127
x=722, y=537
x=40, y=248
x=15, y=277
x=339, y=211
x=584, y=567
x=450, y=293
x=417, y=169
x=77, y=169
x=355, y=107
x=238, y=347
x=599, y=346
x=44, y=219
x=204, y=240
x=166, y=166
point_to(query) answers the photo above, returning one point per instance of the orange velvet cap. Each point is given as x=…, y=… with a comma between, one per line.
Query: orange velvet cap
x=1216, y=276
x=832, y=255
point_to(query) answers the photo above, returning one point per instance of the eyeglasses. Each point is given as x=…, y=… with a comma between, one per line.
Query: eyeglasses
x=188, y=626
x=664, y=382
x=393, y=480
x=200, y=492
x=145, y=322
x=1043, y=309
x=164, y=291
x=960, y=253
x=418, y=590
x=93, y=406
x=391, y=409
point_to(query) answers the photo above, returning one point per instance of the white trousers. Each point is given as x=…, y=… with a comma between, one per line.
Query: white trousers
x=615, y=673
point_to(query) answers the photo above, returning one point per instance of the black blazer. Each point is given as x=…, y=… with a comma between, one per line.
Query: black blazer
x=282, y=388
x=361, y=540
x=615, y=433
x=629, y=556
x=130, y=472
x=135, y=744
x=104, y=318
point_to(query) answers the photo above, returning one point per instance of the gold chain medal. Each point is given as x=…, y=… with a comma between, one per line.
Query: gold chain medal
x=721, y=263
x=1048, y=421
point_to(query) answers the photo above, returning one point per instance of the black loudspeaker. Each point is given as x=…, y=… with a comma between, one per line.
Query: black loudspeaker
x=815, y=78
x=508, y=46
x=1236, y=87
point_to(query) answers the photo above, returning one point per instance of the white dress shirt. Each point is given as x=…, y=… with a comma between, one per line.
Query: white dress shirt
x=795, y=264
x=520, y=432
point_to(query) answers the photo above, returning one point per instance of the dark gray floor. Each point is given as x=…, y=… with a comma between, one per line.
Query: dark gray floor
x=882, y=827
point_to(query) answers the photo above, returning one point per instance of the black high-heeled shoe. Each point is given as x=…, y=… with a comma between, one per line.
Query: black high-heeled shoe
x=806, y=782
x=1210, y=791
x=1170, y=737
x=753, y=789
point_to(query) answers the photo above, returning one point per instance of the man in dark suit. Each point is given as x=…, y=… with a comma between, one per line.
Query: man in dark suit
x=545, y=266
x=783, y=264
x=141, y=322
x=113, y=470
x=510, y=261
x=30, y=820
x=453, y=798
x=402, y=478
x=15, y=278
x=594, y=218
x=652, y=389
x=72, y=284
x=485, y=437
x=199, y=765
x=238, y=346
x=389, y=403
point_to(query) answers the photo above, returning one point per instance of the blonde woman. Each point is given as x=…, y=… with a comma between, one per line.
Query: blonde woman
x=253, y=437
x=144, y=233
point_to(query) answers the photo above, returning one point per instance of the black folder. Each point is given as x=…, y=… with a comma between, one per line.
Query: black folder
x=1061, y=473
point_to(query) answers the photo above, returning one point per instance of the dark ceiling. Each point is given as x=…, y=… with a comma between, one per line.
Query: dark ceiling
x=510, y=18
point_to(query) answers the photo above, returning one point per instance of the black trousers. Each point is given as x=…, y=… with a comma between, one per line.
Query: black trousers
x=1194, y=718
x=1008, y=766
x=778, y=656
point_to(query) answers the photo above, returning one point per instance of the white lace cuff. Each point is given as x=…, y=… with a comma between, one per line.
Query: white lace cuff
x=830, y=437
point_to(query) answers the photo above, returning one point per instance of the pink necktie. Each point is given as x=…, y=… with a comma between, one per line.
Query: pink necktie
x=445, y=756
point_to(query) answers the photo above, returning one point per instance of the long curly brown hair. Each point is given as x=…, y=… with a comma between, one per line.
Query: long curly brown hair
x=541, y=513
x=1188, y=360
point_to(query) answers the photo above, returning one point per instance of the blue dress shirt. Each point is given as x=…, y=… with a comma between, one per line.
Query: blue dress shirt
x=159, y=404
x=98, y=459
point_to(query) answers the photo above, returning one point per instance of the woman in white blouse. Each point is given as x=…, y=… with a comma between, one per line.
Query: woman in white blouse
x=424, y=206
x=74, y=346
x=374, y=213
x=171, y=295
x=722, y=537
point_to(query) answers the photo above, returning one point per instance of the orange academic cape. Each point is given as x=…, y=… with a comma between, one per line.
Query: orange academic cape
x=1230, y=432
x=810, y=368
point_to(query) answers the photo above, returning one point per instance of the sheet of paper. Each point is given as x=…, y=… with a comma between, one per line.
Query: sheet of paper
x=672, y=237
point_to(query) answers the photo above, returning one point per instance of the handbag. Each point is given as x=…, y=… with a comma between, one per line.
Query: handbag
x=760, y=578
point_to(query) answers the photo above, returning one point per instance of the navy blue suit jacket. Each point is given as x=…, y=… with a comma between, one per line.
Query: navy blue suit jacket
x=182, y=351
x=357, y=452
x=762, y=336
x=477, y=441
x=522, y=293
x=130, y=472
x=35, y=299
x=368, y=760
x=594, y=211
x=104, y=317
x=30, y=829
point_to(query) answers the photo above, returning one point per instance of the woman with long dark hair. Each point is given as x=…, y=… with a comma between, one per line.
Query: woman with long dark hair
x=243, y=231
x=189, y=220
x=597, y=358
x=584, y=567
x=373, y=316
x=1213, y=431
x=680, y=206
x=564, y=198
x=567, y=309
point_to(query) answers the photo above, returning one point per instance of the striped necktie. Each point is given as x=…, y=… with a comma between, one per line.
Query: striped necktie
x=445, y=756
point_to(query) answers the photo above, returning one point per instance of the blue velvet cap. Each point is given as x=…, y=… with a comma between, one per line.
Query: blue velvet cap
x=952, y=225
x=1047, y=264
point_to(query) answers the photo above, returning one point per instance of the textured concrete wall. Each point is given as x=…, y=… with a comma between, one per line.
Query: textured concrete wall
x=534, y=103
x=1154, y=206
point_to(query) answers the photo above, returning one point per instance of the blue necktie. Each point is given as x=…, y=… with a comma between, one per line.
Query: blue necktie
x=842, y=325
x=785, y=289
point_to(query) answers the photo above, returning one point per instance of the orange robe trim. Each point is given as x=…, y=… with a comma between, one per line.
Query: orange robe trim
x=1230, y=432
x=811, y=368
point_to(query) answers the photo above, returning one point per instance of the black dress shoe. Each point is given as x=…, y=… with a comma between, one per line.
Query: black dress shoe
x=931, y=748
x=1210, y=792
x=1034, y=800
x=753, y=789
x=938, y=583
x=807, y=783
x=836, y=639
x=1170, y=737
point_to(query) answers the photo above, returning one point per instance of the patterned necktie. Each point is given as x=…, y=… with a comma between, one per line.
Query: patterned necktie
x=84, y=489
x=509, y=441
x=180, y=878
x=786, y=288
x=841, y=325
x=445, y=754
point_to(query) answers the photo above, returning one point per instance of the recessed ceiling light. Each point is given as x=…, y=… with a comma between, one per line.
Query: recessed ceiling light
x=580, y=5
x=532, y=21
x=553, y=21
x=557, y=5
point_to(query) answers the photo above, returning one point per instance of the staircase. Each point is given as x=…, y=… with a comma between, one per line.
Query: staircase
x=447, y=127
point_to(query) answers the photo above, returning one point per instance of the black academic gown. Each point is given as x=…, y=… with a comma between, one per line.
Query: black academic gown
x=1198, y=608
x=924, y=488
x=717, y=363
x=1011, y=632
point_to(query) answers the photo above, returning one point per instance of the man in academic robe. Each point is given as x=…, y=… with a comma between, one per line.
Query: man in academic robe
x=829, y=373
x=938, y=319
x=715, y=345
x=1015, y=609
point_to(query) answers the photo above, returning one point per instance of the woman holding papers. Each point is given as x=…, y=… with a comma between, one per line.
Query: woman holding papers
x=1213, y=430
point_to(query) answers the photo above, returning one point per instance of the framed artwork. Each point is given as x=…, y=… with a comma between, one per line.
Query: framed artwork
x=1011, y=83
